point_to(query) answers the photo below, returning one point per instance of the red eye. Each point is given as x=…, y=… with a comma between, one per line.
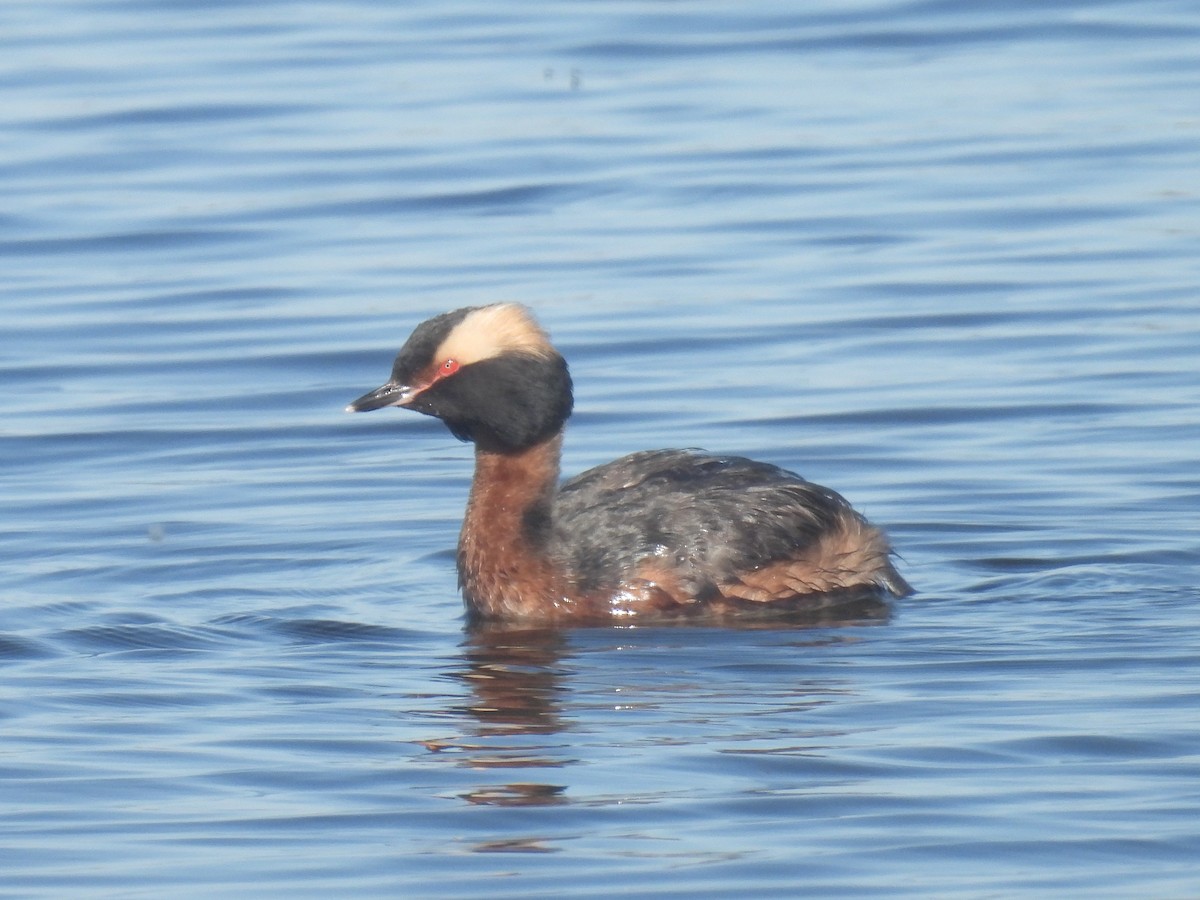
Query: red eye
x=449, y=367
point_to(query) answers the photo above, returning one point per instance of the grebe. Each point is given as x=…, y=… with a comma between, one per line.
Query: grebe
x=651, y=534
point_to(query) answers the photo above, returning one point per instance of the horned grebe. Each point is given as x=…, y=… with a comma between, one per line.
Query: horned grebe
x=655, y=533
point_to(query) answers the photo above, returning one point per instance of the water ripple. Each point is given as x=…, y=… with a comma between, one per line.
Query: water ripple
x=937, y=256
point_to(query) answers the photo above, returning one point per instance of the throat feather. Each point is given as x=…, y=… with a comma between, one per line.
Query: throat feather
x=503, y=566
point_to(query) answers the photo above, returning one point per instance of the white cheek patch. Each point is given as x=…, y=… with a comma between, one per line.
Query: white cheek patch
x=491, y=331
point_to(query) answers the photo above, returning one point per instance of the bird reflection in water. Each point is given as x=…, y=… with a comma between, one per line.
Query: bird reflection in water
x=517, y=679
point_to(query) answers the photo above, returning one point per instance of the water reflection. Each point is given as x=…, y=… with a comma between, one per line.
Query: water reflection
x=516, y=684
x=516, y=678
x=520, y=682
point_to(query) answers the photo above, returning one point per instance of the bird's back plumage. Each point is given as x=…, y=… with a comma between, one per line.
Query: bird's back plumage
x=712, y=518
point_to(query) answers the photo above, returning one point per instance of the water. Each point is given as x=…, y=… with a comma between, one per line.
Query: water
x=940, y=257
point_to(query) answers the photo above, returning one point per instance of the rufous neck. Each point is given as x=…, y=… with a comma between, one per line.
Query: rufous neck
x=503, y=566
x=513, y=484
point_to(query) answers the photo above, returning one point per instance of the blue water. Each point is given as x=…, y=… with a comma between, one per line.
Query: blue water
x=939, y=256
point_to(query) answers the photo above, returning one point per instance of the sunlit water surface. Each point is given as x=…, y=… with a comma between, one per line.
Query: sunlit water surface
x=942, y=257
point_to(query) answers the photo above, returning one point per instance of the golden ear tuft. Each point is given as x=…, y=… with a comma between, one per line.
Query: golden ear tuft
x=495, y=330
